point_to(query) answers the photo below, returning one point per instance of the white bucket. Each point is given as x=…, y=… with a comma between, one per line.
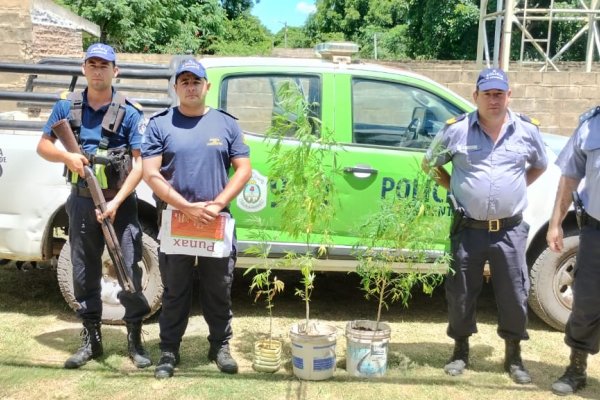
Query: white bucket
x=313, y=355
x=367, y=348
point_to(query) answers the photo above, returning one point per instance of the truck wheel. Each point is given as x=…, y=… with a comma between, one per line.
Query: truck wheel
x=112, y=310
x=551, y=295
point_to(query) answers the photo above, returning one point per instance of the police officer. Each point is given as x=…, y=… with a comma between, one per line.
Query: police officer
x=495, y=155
x=187, y=154
x=580, y=158
x=106, y=123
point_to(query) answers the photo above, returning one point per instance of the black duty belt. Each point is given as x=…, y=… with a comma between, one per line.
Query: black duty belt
x=591, y=222
x=493, y=225
x=109, y=194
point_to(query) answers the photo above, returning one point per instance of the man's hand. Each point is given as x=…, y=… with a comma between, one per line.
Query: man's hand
x=554, y=238
x=110, y=211
x=200, y=212
x=75, y=162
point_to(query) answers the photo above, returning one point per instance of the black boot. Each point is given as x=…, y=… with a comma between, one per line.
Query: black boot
x=166, y=365
x=91, y=345
x=137, y=353
x=574, y=377
x=460, y=357
x=513, y=364
x=222, y=357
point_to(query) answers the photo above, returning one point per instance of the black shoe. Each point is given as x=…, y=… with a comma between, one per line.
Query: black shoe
x=166, y=365
x=137, y=353
x=222, y=357
x=519, y=374
x=513, y=364
x=91, y=346
x=574, y=377
x=460, y=358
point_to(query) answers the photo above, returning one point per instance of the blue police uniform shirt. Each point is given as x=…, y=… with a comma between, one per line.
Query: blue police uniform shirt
x=581, y=158
x=196, y=151
x=488, y=179
x=128, y=134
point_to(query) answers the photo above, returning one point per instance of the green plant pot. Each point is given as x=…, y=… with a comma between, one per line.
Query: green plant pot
x=267, y=355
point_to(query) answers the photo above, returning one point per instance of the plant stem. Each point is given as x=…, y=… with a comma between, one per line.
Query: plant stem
x=381, y=293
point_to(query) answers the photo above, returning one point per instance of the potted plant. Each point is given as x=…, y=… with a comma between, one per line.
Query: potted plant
x=395, y=241
x=267, y=352
x=306, y=171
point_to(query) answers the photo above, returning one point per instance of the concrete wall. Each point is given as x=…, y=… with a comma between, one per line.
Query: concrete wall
x=557, y=99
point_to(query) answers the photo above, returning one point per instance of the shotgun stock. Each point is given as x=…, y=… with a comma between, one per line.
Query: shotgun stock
x=65, y=134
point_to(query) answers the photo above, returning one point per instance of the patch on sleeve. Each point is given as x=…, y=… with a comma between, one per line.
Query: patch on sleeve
x=455, y=119
x=533, y=121
x=589, y=114
x=64, y=95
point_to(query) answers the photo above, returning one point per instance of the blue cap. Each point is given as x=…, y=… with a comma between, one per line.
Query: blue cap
x=101, y=50
x=193, y=66
x=492, y=78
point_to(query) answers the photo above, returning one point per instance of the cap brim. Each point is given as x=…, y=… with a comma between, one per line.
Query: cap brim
x=109, y=59
x=493, y=85
x=191, y=72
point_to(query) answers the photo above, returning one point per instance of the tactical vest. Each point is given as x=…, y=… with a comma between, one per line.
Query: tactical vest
x=111, y=166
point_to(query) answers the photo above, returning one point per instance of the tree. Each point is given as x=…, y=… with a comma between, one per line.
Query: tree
x=244, y=35
x=294, y=38
x=235, y=8
x=443, y=30
x=154, y=25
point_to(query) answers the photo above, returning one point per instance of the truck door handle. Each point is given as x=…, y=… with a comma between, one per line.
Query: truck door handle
x=361, y=171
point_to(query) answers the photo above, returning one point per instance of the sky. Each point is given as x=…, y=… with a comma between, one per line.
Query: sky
x=274, y=14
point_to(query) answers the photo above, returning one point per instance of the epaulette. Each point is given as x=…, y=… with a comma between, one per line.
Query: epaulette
x=455, y=119
x=533, y=121
x=134, y=103
x=589, y=114
x=226, y=113
x=159, y=113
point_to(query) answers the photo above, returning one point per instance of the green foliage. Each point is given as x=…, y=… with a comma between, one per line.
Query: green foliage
x=235, y=8
x=307, y=171
x=154, y=26
x=400, y=233
x=294, y=38
x=443, y=30
x=243, y=36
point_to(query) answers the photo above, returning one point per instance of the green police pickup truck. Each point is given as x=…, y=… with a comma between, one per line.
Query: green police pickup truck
x=383, y=120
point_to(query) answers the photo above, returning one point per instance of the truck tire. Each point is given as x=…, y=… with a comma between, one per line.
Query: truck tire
x=551, y=295
x=112, y=310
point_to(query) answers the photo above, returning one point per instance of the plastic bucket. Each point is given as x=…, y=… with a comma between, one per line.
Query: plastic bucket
x=267, y=355
x=313, y=355
x=367, y=348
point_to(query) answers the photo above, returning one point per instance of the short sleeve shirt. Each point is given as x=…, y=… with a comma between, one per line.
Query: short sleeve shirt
x=196, y=151
x=581, y=158
x=488, y=179
x=128, y=134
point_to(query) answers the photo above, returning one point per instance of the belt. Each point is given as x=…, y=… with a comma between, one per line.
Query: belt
x=109, y=194
x=493, y=225
x=591, y=222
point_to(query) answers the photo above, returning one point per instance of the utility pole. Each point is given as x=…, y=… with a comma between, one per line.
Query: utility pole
x=285, y=30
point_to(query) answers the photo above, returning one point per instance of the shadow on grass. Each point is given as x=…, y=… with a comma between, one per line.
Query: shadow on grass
x=404, y=362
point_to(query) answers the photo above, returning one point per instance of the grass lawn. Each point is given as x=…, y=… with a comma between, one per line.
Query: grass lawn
x=38, y=332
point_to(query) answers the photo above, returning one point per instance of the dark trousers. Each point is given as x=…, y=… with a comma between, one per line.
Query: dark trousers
x=216, y=278
x=583, y=327
x=505, y=252
x=87, y=245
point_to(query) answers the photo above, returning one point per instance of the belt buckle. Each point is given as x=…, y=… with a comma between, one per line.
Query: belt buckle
x=493, y=225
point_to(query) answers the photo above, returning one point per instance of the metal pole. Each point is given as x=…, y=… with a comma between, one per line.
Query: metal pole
x=507, y=34
x=589, y=54
x=375, y=44
x=496, y=59
x=481, y=37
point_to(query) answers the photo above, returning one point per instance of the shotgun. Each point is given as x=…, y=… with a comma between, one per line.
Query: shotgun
x=64, y=133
